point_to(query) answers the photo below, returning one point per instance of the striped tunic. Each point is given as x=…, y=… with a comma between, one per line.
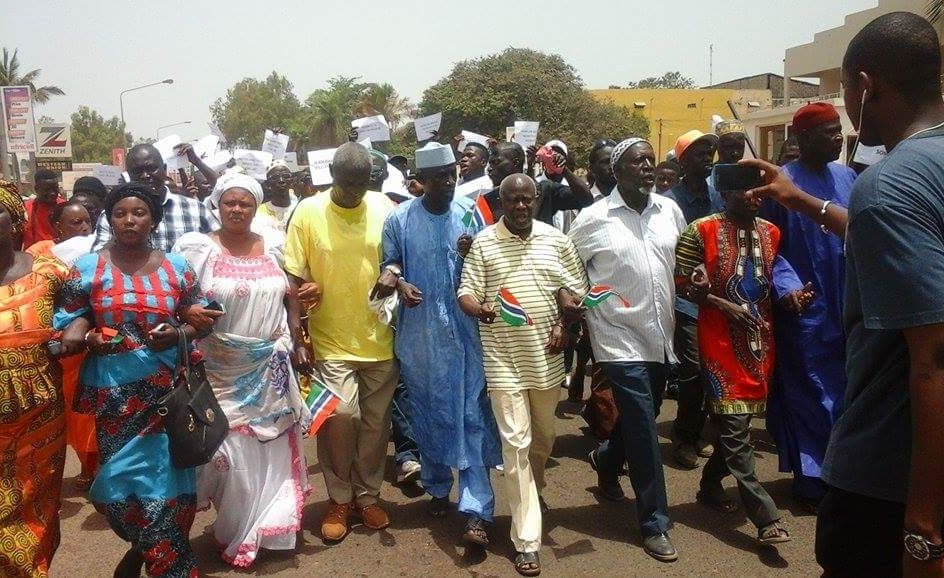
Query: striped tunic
x=533, y=270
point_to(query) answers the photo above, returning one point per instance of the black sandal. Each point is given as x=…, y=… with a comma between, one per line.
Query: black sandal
x=475, y=532
x=719, y=502
x=527, y=563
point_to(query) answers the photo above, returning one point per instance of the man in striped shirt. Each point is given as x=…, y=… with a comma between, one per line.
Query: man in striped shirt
x=627, y=242
x=538, y=267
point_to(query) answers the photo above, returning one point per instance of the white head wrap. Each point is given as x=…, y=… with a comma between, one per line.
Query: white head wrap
x=621, y=148
x=232, y=180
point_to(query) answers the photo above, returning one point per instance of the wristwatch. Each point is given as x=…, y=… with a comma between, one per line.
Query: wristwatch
x=921, y=549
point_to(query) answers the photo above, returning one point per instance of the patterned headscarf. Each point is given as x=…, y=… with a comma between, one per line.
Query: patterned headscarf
x=11, y=200
x=621, y=148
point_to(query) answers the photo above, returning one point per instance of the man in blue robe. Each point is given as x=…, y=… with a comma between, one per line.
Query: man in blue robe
x=809, y=376
x=438, y=346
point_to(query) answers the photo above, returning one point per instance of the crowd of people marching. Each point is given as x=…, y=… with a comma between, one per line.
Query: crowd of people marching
x=457, y=304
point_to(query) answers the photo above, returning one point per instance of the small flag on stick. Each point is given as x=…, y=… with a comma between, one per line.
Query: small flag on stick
x=321, y=402
x=479, y=214
x=510, y=310
x=600, y=293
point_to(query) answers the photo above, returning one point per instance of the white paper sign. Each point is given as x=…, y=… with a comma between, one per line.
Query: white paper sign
x=109, y=176
x=366, y=143
x=526, y=133
x=469, y=136
x=373, y=127
x=318, y=162
x=275, y=144
x=509, y=133
x=219, y=160
x=427, y=125
x=215, y=131
x=206, y=147
x=291, y=159
x=171, y=158
x=255, y=163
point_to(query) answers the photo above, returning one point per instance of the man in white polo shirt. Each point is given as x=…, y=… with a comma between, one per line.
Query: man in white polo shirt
x=535, y=267
x=627, y=242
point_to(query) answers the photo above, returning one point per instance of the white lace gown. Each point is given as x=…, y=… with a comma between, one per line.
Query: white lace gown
x=258, y=479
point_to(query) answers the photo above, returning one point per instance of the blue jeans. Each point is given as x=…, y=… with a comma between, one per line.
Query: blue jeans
x=637, y=391
x=475, y=488
x=403, y=445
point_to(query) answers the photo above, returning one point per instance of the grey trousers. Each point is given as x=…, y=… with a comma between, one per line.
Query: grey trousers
x=690, y=419
x=734, y=455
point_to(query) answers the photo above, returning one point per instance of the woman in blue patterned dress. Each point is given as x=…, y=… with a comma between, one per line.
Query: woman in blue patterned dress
x=140, y=293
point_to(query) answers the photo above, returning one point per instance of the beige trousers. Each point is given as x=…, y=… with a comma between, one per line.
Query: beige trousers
x=525, y=421
x=352, y=443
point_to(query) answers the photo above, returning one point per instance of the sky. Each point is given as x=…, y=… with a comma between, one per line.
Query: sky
x=94, y=49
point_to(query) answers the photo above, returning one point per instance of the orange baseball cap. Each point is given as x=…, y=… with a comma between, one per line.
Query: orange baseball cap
x=689, y=138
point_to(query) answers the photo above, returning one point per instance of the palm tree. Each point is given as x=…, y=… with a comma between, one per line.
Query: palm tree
x=331, y=109
x=10, y=76
x=384, y=99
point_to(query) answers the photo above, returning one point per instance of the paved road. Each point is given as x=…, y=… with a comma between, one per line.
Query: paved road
x=583, y=536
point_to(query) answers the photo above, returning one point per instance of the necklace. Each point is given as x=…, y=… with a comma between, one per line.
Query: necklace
x=930, y=128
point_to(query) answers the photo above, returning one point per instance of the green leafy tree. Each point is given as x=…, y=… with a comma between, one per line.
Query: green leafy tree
x=487, y=94
x=251, y=106
x=11, y=75
x=672, y=79
x=93, y=137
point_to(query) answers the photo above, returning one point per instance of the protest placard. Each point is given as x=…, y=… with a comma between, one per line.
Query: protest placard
x=469, y=136
x=526, y=133
x=19, y=129
x=254, y=163
x=109, y=175
x=291, y=159
x=373, y=127
x=275, y=144
x=206, y=147
x=318, y=162
x=167, y=146
x=427, y=127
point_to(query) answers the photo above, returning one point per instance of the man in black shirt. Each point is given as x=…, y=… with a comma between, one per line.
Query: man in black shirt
x=507, y=158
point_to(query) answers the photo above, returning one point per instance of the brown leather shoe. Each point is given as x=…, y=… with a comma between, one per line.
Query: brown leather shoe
x=373, y=516
x=334, y=526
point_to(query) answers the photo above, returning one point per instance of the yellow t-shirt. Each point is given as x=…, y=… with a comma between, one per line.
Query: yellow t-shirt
x=340, y=250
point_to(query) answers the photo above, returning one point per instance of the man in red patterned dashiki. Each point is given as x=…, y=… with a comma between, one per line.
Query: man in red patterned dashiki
x=725, y=262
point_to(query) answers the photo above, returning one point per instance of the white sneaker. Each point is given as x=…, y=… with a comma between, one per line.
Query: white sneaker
x=409, y=472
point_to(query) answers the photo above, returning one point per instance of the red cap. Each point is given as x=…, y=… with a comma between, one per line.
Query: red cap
x=813, y=115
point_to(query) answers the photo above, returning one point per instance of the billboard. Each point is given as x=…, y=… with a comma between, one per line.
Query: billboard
x=55, y=141
x=19, y=130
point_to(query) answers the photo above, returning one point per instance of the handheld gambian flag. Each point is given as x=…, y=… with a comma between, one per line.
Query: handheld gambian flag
x=321, y=402
x=510, y=310
x=479, y=214
x=600, y=293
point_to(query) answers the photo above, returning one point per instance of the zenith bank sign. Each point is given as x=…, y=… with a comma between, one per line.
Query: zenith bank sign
x=55, y=141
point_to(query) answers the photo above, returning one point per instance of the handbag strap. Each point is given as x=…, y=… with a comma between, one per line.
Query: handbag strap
x=183, y=356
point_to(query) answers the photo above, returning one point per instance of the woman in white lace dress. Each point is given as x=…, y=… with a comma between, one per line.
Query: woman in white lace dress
x=257, y=481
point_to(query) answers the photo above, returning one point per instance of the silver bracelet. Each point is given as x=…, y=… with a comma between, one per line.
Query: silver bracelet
x=822, y=214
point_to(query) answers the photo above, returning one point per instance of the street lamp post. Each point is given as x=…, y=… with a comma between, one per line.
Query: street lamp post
x=160, y=128
x=121, y=96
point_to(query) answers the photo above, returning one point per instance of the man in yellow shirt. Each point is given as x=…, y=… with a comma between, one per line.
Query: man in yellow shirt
x=333, y=253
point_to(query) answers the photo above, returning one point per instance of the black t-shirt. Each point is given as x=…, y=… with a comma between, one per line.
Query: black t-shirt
x=894, y=281
x=552, y=197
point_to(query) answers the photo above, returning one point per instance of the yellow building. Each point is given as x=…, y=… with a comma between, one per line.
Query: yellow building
x=673, y=112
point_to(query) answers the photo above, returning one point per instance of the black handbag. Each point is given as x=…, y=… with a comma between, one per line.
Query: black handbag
x=193, y=420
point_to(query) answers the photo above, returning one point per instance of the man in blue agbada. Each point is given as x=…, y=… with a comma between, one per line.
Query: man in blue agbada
x=809, y=375
x=438, y=346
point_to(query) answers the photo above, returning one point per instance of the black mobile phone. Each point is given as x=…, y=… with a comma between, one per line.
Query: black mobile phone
x=215, y=306
x=734, y=177
x=55, y=347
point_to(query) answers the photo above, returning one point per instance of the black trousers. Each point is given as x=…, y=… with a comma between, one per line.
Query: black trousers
x=734, y=455
x=691, y=416
x=859, y=536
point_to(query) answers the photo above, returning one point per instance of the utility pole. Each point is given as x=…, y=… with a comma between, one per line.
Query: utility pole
x=711, y=55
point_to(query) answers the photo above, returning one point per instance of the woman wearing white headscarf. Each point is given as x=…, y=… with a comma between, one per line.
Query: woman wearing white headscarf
x=257, y=481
